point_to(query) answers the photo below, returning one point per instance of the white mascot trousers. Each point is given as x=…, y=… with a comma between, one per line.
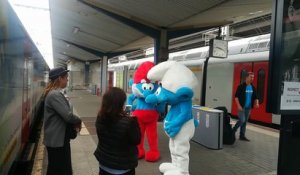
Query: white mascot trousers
x=180, y=146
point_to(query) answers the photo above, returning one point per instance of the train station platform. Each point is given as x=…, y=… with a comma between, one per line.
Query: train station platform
x=257, y=157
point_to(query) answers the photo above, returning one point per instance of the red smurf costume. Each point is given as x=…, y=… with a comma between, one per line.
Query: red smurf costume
x=146, y=113
x=177, y=84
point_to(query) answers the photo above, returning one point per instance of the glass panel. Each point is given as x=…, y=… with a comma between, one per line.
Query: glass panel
x=261, y=85
x=243, y=76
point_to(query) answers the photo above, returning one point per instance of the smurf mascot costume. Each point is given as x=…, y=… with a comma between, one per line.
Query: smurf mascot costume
x=146, y=113
x=178, y=83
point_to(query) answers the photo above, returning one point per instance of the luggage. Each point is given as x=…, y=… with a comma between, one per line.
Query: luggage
x=228, y=133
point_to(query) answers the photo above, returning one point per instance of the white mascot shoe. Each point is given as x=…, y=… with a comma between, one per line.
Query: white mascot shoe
x=175, y=172
x=166, y=167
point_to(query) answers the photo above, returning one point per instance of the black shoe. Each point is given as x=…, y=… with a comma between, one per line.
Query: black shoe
x=244, y=139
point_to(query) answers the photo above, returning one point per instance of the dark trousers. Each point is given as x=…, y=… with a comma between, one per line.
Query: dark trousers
x=131, y=172
x=59, y=160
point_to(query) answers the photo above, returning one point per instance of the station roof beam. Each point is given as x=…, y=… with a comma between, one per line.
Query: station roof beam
x=113, y=26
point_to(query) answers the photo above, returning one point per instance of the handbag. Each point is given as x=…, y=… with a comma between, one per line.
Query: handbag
x=71, y=131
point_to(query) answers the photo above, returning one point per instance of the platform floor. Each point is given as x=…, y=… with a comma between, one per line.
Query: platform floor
x=257, y=157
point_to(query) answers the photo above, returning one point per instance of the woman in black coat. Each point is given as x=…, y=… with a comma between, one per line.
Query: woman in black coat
x=118, y=136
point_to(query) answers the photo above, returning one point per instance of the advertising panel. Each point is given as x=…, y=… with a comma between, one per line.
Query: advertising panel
x=284, y=89
x=290, y=96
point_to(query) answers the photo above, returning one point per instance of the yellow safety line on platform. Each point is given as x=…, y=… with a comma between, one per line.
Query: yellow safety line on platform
x=84, y=130
x=37, y=168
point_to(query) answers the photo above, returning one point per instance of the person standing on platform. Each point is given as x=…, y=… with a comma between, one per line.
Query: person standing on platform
x=118, y=136
x=245, y=99
x=58, y=120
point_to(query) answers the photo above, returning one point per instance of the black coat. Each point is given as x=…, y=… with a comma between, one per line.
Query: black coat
x=241, y=94
x=117, y=146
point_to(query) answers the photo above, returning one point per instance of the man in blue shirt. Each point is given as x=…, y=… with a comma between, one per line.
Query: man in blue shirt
x=245, y=99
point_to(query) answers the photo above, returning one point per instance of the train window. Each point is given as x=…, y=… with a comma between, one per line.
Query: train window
x=243, y=76
x=253, y=46
x=263, y=44
x=261, y=85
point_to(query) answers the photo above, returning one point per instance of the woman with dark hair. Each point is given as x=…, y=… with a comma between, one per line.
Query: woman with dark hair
x=118, y=136
x=58, y=120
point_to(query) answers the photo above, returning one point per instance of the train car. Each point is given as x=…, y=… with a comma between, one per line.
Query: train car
x=224, y=75
x=22, y=79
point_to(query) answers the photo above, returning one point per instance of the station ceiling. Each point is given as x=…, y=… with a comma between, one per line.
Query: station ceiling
x=81, y=29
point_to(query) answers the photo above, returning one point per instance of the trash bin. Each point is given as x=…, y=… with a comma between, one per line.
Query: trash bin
x=209, y=132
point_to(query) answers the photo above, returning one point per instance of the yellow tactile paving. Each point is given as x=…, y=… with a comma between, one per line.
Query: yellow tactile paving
x=84, y=130
x=37, y=168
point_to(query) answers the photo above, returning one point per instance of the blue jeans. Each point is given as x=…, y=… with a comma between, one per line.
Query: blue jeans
x=103, y=172
x=242, y=122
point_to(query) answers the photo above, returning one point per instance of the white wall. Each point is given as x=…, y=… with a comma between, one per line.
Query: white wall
x=219, y=85
x=197, y=70
x=76, y=74
x=95, y=70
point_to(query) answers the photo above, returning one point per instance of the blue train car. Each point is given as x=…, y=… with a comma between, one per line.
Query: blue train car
x=22, y=72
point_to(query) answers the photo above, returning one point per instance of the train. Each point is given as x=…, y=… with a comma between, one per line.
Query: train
x=22, y=80
x=223, y=75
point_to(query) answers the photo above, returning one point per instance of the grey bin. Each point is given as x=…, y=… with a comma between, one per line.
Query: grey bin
x=209, y=132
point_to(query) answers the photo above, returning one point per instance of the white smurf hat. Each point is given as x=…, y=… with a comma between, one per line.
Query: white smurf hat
x=173, y=75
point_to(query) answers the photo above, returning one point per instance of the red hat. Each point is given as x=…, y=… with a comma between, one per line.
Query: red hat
x=142, y=71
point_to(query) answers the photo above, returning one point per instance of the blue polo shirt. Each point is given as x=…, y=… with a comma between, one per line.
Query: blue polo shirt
x=249, y=92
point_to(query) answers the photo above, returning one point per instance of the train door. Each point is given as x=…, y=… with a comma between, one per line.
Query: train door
x=110, y=79
x=239, y=76
x=25, y=106
x=130, y=78
x=260, y=70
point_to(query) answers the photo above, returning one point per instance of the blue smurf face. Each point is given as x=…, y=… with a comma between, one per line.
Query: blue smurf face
x=144, y=89
x=162, y=95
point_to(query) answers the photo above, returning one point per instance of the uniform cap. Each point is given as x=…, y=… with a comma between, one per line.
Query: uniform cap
x=56, y=72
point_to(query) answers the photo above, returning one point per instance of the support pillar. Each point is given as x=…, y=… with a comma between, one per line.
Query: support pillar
x=103, y=77
x=86, y=73
x=289, y=141
x=204, y=80
x=283, y=93
x=161, y=47
x=125, y=78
